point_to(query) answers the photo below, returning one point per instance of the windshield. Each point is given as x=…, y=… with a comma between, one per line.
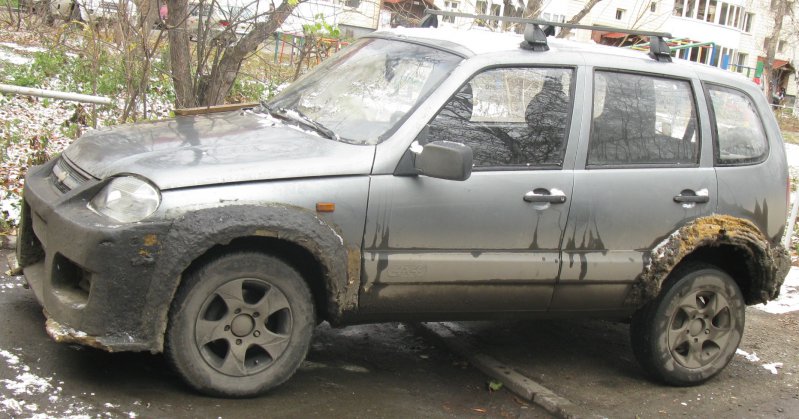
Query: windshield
x=363, y=92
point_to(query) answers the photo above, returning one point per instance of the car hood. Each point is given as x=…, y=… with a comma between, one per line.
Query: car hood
x=216, y=148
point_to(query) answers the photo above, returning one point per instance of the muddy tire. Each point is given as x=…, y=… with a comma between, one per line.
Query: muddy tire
x=240, y=325
x=691, y=331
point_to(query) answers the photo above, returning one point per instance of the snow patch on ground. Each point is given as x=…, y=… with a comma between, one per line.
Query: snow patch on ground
x=13, y=58
x=792, y=152
x=17, y=395
x=773, y=367
x=749, y=357
x=753, y=358
x=17, y=47
x=788, y=300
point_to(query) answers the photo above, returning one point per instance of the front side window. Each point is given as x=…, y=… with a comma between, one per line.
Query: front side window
x=642, y=120
x=740, y=138
x=510, y=117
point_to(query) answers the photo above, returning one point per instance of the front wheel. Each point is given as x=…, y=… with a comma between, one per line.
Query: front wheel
x=691, y=331
x=240, y=325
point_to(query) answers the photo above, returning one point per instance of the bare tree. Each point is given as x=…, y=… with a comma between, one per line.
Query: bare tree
x=206, y=77
x=138, y=45
x=781, y=9
x=533, y=8
x=578, y=17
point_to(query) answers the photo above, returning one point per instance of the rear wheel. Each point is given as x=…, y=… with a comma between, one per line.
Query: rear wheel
x=240, y=325
x=691, y=331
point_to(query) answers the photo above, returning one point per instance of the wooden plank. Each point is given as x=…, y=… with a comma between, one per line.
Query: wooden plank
x=214, y=109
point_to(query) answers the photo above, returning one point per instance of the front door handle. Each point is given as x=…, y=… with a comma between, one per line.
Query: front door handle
x=542, y=195
x=688, y=196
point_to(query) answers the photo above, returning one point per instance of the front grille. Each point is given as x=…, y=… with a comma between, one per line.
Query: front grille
x=65, y=177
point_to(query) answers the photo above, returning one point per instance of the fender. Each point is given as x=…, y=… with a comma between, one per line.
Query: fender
x=767, y=263
x=192, y=234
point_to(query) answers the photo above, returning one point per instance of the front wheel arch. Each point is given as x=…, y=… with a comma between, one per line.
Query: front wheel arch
x=196, y=233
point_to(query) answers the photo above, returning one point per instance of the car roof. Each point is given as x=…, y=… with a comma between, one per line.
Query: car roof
x=480, y=41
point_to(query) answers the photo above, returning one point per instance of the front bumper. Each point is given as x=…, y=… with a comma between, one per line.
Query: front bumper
x=90, y=275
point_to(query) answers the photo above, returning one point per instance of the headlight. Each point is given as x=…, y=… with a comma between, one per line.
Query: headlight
x=126, y=199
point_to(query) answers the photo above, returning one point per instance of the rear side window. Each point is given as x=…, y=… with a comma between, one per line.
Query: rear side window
x=740, y=138
x=512, y=118
x=642, y=120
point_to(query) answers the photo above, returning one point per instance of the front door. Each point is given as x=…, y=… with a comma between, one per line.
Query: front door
x=491, y=243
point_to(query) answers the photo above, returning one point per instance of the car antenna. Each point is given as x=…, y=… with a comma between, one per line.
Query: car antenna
x=537, y=30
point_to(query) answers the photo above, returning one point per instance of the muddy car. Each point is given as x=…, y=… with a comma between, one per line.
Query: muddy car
x=448, y=176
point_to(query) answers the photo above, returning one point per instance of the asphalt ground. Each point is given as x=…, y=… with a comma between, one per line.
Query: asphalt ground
x=372, y=371
x=543, y=368
x=589, y=366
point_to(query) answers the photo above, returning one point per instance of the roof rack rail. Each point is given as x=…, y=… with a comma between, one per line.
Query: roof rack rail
x=535, y=38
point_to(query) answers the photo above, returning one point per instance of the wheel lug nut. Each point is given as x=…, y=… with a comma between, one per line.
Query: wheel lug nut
x=238, y=341
x=707, y=331
x=227, y=328
x=256, y=314
x=237, y=311
x=256, y=333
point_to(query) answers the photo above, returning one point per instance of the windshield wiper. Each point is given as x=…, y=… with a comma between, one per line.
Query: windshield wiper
x=299, y=117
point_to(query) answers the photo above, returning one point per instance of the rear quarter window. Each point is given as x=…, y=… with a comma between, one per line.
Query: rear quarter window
x=738, y=130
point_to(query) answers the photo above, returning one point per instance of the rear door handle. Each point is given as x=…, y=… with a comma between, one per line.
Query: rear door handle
x=542, y=195
x=688, y=196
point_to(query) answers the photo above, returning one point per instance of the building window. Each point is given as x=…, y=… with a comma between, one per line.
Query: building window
x=452, y=6
x=495, y=11
x=481, y=7
x=620, y=14
x=740, y=63
x=653, y=6
x=679, y=7
x=781, y=47
x=711, y=11
x=748, y=21
x=734, y=21
x=690, y=7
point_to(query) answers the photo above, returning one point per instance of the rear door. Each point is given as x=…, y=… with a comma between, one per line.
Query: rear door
x=643, y=175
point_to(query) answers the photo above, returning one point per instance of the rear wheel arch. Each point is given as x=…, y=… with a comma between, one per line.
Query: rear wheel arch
x=732, y=244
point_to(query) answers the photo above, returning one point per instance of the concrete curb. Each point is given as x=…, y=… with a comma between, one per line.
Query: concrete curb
x=521, y=385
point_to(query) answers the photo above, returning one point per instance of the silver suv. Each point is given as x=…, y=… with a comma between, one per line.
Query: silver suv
x=421, y=174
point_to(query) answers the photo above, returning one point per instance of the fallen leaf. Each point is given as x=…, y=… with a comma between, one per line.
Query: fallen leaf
x=494, y=385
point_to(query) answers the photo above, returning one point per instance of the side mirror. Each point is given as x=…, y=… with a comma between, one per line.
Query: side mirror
x=445, y=160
